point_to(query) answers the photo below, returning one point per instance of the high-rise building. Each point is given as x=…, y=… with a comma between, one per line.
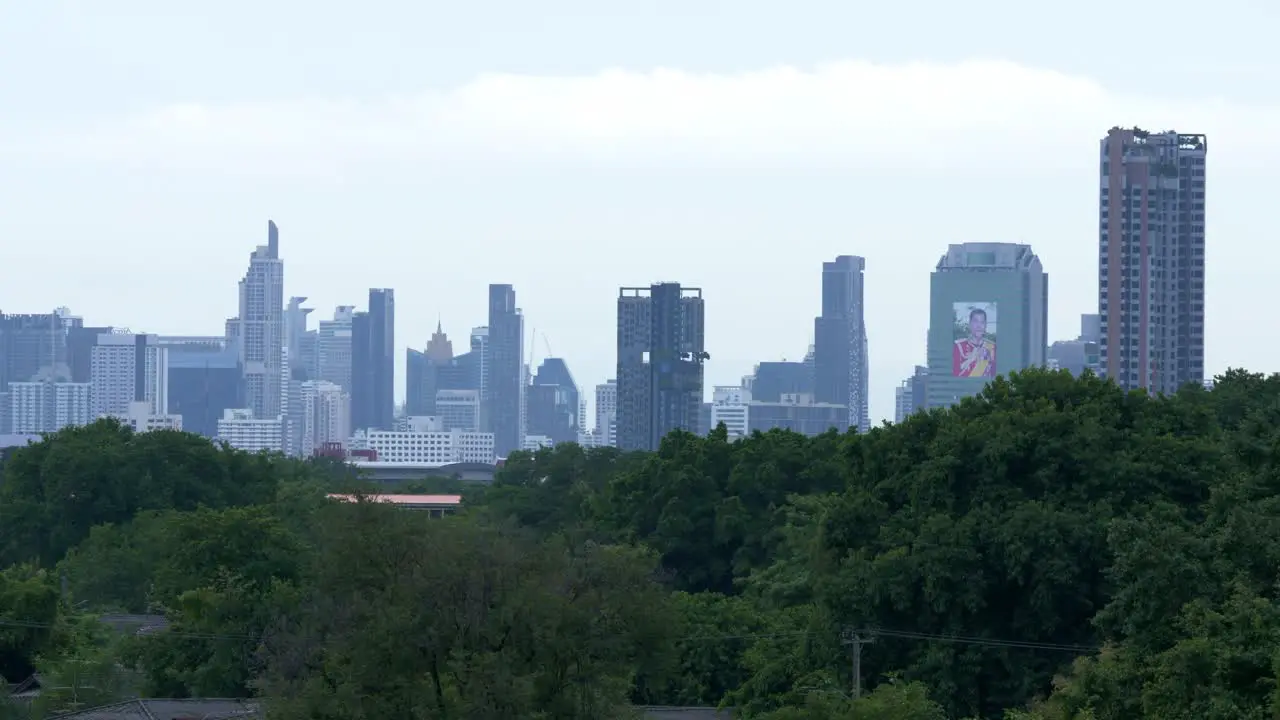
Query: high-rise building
x=553, y=402
x=1151, y=258
x=661, y=350
x=912, y=394
x=772, y=380
x=125, y=368
x=333, y=348
x=300, y=341
x=840, y=369
x=205, y=380
x=503, y=392
x=606, y=412
x=34, y=347
x=1076, y=356
x=260, y=328
x=325, y=416
x=988, y=314
x=373, y=362
x=422, y=373
x=47, y=406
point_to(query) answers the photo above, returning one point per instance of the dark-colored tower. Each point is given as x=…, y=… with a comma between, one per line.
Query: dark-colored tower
x=552, y=405
x=373, y=363
x=661, y=350
x=840, y=341
x=505, y=370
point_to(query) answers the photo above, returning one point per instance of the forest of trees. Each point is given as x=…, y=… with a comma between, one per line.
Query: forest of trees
x=1053, y=549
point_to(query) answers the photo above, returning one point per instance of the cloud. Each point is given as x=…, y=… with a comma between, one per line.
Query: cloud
x=842, y=113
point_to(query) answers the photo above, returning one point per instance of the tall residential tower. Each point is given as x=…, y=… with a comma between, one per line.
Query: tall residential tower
x=1151, y=258
x=661, y=350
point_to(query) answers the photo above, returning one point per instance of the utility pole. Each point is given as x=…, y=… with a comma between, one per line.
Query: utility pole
x=855, y=640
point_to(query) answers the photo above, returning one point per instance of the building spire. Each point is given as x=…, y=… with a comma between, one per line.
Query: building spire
x=273, y=240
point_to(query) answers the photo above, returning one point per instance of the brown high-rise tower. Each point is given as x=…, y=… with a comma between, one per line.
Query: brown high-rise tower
x=1151, y=258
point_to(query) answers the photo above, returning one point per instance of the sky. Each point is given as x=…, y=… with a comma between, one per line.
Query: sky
x=570, y=147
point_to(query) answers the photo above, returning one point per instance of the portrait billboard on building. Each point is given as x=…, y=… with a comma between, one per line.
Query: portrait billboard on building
x=973, y=354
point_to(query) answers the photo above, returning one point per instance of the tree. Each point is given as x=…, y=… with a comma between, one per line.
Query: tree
x=410, y=617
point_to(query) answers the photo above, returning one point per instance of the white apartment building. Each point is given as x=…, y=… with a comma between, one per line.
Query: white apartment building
x=459, y=409
x=731, y=405
x=241, y=430
x=534, y=443
x=125, y=368
x=41, y=407
x=607, y=412
x=142, y=419
x=326, y=415
x=426, y=448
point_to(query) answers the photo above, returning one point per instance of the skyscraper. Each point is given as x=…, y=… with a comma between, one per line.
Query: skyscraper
x=260, y=327
x=127, y=368
x=553, y=402
x=661, y=350
x=1151, y=258
x=422, y=373
x=333, y=348
x=504, y=368
x=840, y=341
x=988, y=316
x=373, y=362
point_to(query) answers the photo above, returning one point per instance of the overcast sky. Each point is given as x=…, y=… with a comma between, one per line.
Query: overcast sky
x=435, y=147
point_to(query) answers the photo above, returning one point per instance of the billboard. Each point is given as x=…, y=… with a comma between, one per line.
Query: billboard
x=973, y=354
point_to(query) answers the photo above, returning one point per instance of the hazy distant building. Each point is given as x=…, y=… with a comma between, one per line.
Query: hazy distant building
x=504, y=369
x=730, y=406
x=458, y=409
x=988, y=314
x=260, y=327
x=799, y=413
x=47, y=406
x=205, y=380
x=422, y=373
x=141, y=417
x=373, y=363
x=552, y=404
x=661, y=350
x=606, y=413
x=34, y=347
x=1083, y=353
x=1151, y=267
x=127, y=368
x=325, y=416
x=772, y=380
x=300, y=341
x=840, y=367
x=240, y=429
x=80, y=343
x=912, y=394
x=333, y=348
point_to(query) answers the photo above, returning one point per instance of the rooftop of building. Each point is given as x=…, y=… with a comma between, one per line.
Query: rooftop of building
x=406, y=500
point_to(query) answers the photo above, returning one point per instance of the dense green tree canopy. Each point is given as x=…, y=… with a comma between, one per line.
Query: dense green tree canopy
x=1052, y=549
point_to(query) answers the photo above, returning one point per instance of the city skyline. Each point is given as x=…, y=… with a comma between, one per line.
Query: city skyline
x=436, y=168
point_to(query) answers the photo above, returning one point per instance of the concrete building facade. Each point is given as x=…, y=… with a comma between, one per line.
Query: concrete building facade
x=1151, y=258
x=988, y=316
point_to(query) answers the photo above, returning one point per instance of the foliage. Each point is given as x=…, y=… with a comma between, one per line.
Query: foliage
x=1051, y=549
